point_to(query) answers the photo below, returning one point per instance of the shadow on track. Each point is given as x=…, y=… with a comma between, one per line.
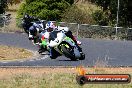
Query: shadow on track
x=68, y=60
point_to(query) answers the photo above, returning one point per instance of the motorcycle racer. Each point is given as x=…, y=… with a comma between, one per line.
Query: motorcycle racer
x=50, y=27
x=35, y=30
x=27, y=22
x=33, y=26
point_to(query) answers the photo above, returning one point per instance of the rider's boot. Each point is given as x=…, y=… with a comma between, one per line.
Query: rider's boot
x=79, y=48
x=30, y=37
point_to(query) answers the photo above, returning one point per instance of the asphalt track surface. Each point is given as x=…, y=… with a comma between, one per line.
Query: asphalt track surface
x=98, y=52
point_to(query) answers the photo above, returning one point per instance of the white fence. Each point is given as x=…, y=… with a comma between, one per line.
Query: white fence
x=97, y=31
x=88, y=31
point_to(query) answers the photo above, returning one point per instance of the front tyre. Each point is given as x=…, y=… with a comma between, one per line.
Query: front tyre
x=68, y=52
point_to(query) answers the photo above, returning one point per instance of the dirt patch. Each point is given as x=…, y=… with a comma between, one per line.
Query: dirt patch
x=12, y=53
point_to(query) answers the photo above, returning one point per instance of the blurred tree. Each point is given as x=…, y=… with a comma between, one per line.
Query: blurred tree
x=11, y=2
x=129, y=13
x=3, y=5
x=109, y=8
x=76, y=15
x=45, y=9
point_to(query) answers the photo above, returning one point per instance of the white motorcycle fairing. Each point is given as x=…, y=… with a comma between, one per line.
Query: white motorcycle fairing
x=62, y=37
x=58, y=40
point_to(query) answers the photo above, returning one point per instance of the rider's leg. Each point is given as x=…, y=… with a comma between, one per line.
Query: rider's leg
x=30, y=36
x=33, y=34
x=42, y=47
x=69, y=34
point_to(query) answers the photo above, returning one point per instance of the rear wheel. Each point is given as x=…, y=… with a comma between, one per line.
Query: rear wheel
x=42, y=49
x=68, y=52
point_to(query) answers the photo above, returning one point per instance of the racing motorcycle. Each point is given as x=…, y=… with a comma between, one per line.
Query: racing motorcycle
x=27, y=22
x=36, y=29
x=63, y=45
x=34, y=23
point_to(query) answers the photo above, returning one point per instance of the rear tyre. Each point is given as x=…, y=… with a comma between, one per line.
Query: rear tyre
x=68, y=53
x=41, y=50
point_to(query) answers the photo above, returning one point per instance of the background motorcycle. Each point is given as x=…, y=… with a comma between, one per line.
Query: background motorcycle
x=27, y=22
x=37, y=25
x=36, y=29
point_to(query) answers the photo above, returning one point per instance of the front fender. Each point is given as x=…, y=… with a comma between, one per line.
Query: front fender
x=69, y=41
x=72, y=43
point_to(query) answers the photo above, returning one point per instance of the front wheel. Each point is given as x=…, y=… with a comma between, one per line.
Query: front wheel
x=68, y=52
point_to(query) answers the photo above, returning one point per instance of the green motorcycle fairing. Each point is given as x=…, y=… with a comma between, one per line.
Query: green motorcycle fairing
x=44, y=43
x=66, y=45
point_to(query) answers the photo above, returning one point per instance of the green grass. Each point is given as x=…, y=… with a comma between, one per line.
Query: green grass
x=52, y=80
